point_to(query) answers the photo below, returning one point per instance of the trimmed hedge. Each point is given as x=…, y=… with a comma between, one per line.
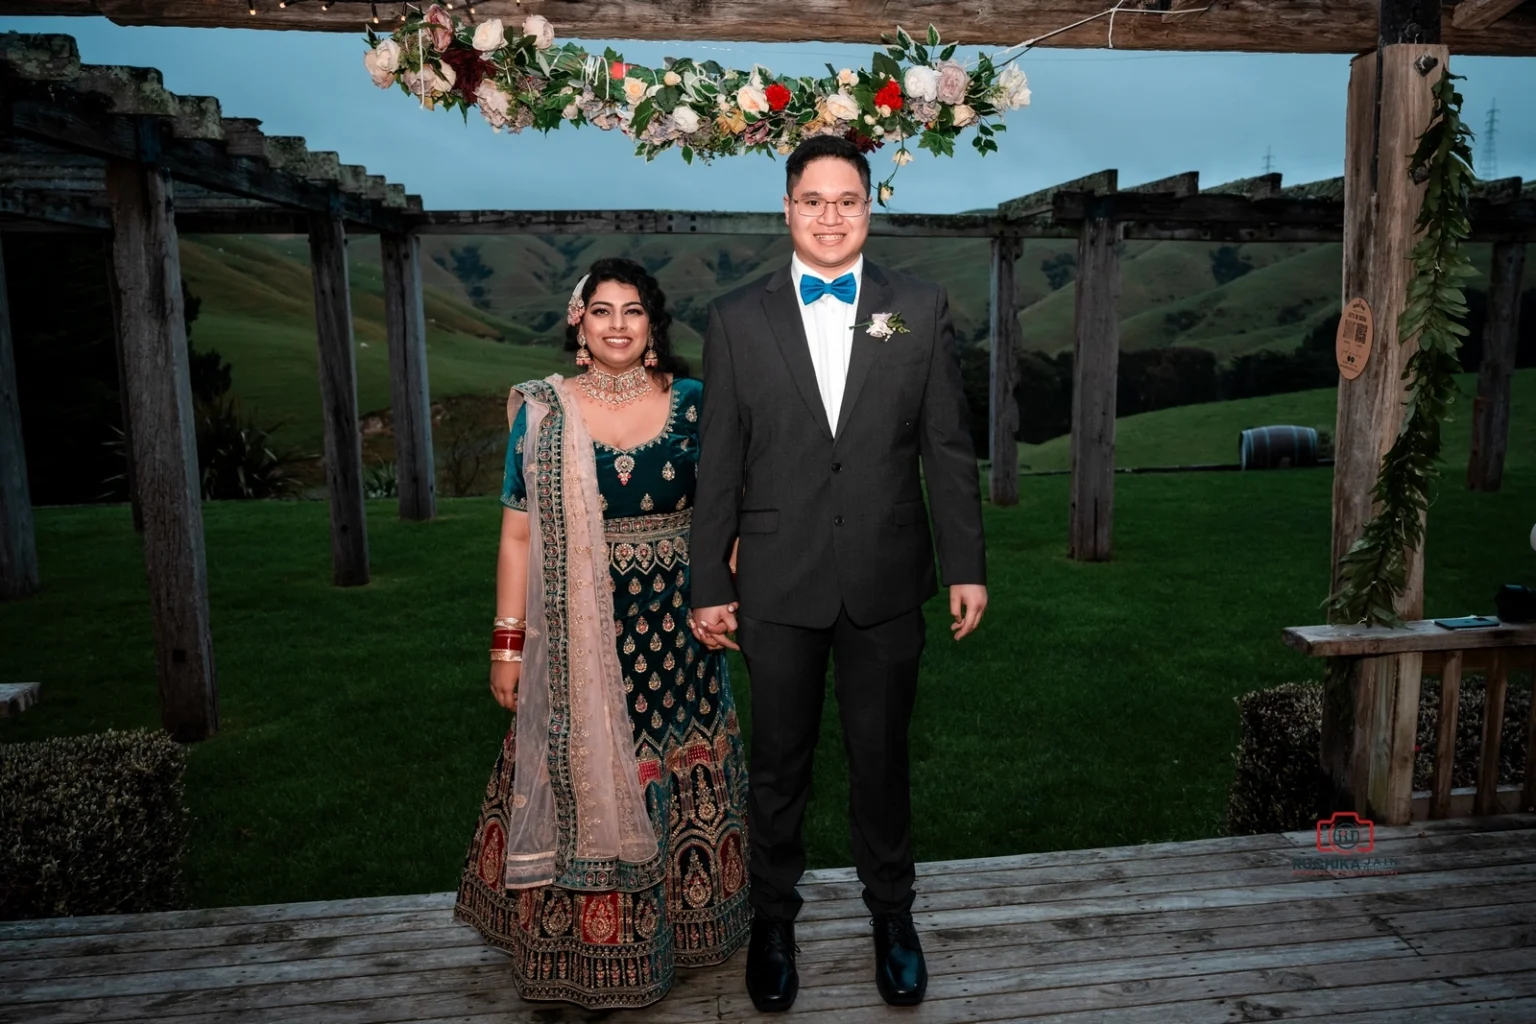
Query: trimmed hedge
x=1279, y=784
x=91, y=825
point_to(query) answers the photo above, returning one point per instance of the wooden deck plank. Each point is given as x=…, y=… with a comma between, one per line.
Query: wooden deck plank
x=1215, y=930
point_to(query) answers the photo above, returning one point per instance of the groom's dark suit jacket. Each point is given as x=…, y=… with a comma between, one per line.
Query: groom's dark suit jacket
x=830, y=524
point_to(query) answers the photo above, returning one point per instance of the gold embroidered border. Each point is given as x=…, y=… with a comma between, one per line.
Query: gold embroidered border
x=653, y=527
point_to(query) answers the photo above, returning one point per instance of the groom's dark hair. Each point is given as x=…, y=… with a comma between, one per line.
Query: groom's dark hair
x=815, y=148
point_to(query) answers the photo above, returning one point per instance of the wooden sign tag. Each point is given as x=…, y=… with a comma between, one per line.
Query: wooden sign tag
x=1352, y=344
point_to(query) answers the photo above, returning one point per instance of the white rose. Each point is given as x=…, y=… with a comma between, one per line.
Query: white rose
x=494, y=103
x=752, y=100
x=381, y=78
x=847, y=77
x=634, y=90
x=672, y=78
x=964, y=115
x=543, y=32
x=441, y=79
x=387, y=55
x=878, y=130
x=570, y=111
x=490, y=35
x=1013, y=89
x=921, y=83
x=902, y=157
x=869, y=118
x=842, y=106
x=686, y=119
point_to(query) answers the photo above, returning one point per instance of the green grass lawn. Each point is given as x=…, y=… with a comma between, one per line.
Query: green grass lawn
x=1093, y=708
x=1208, y=434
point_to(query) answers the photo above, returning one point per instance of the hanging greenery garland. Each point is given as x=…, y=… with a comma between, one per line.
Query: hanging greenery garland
x=518, y=78
x=1374, y=572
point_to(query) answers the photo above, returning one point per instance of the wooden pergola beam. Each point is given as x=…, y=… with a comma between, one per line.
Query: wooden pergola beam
x=1257, y=26
x=1480, y=14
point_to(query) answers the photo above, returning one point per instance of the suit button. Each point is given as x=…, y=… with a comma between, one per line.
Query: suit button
x=837, y=520
x=837, y=467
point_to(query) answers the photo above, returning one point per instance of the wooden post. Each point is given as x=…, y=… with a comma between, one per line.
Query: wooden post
x=1487, y=799
x=129, y=477
x=18, y=537
x=1003, y=439
x=338, y=398
x=409, y=394
x=1095, y=378
x=1370, y=712
x=1490, y=409
x=164, y=437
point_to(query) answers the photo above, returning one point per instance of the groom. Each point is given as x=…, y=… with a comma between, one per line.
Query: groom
x=817, y=438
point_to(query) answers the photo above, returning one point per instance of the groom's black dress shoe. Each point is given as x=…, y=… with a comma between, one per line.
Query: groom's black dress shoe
x=772, y=981
x=901, y=974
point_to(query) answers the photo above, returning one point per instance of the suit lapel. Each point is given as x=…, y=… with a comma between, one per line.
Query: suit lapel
x=782, y=307
x=874, y=297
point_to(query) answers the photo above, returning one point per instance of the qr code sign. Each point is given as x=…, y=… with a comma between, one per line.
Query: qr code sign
x=1360, y=333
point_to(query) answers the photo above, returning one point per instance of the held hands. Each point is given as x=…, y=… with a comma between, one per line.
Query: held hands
x=504, y=677
x=967, y=603
x=712, y=626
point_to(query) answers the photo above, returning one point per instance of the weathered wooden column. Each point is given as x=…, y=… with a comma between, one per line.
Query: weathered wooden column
x=1490, y=409
x=338, y=399
x=18, y=536
x=410, y=396
x=1095, y=375
x=1370, y=713
x=129, y=477
x=1003, y=432
x=164, y=437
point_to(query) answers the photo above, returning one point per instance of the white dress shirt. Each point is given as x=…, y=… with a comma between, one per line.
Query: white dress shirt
x=829, y=333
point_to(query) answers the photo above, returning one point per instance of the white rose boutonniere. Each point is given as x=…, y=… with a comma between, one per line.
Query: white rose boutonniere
x=881, y=326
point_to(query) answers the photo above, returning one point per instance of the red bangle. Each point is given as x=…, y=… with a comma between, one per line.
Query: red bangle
x=507, y=640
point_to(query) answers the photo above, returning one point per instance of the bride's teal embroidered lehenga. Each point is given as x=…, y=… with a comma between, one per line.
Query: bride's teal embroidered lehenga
x=610, y=948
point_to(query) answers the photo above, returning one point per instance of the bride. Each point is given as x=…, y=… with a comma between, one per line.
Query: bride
x=610, y=846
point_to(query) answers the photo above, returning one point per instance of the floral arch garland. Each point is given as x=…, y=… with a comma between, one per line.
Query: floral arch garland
x=519, y=78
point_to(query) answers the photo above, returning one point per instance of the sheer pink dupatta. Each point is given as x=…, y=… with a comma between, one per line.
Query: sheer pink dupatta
x=578, y=817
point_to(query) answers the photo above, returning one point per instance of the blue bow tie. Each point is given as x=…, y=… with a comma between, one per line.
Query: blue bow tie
x=812, y=288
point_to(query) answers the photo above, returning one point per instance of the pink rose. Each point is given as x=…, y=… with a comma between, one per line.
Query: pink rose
x=373, y=62
x=543, y=32
x=441, y=29
x=953, y=82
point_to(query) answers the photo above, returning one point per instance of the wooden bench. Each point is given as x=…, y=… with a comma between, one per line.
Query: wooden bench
x=17, y=697
x=1448, y=653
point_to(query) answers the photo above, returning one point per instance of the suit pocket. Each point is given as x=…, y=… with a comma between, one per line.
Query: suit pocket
x=758, y=521
x=909, y=513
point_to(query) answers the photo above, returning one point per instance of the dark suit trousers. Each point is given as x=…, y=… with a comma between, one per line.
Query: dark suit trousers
x=875, y=669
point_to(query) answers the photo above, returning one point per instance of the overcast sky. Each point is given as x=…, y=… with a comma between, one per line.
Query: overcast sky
x=1147, y=114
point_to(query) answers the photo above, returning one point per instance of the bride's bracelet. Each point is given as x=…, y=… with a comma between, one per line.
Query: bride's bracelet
x=509, y=622
x=500, y=655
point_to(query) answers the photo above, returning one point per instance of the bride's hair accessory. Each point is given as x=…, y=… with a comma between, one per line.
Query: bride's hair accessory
x=577, y=307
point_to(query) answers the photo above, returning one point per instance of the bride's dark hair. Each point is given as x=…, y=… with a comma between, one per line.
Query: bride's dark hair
x=651, y=297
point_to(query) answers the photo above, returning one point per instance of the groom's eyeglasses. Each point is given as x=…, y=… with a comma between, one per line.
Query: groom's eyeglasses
x=848, y=207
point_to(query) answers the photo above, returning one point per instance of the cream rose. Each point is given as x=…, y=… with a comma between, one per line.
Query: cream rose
x=387, y=55
x=752, y=100
x=686, y=119
x=543, y=32
x=634, y=90
x=953, y=82
x=847, y=77
x=964, y=115
x=921, y=83
x=902, y=157
x=381, y=78
x=494, y=102
x=1013, y=89
x=842, y=106
x=885, y=193
x=490, y=35
x=570, y=111
x=672, y=78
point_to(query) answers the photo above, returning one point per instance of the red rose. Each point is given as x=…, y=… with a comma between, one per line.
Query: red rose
x=889, y=96
x=778, y=96
x=617, y=69
x=468, y=67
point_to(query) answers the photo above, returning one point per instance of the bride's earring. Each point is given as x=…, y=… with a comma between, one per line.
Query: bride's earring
x=650, y=353
x=583, y=357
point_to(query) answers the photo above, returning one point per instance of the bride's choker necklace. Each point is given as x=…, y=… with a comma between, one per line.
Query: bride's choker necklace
x=616, y=390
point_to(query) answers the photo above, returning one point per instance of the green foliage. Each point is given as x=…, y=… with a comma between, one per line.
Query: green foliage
x=91, y=825
x=1374, y=571
x=235, y=457
x=1277, y=784
x=382, y=481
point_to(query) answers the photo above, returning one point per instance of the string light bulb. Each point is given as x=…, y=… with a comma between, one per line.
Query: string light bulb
x=373, y=9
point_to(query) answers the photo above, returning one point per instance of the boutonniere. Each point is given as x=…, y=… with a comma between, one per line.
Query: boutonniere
x=882, y=325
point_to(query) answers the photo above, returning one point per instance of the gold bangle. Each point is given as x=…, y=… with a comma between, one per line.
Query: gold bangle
x=506, y=655
x=510, y=622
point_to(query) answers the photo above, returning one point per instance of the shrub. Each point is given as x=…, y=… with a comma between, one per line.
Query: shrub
x=1279, y=780
x=91, y=825
x=382, y=481
x=235, y=456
